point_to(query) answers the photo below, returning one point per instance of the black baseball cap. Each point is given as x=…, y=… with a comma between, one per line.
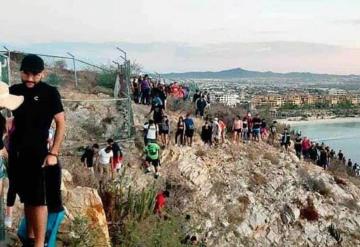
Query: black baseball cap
x=32, y=63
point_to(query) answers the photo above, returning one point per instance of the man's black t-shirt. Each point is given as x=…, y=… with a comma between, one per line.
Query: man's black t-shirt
x=88, y=156
x=33, y=118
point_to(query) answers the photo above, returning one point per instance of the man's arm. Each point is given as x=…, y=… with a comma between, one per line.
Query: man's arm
x=59, y=133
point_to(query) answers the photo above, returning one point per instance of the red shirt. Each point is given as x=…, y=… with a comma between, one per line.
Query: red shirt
x=159, y=202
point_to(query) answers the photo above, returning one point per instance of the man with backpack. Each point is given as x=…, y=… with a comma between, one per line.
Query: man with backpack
x=285, y=140
x=152, y=152
x=189, y=129
x=150, y=132
x=157, y=108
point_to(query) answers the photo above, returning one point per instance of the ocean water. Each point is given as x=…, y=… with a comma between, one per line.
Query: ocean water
x=344, y=136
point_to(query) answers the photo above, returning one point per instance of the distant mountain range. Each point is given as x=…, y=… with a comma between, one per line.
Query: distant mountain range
x=238, y=73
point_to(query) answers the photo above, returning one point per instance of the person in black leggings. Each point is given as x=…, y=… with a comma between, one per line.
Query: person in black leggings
x=180, y=131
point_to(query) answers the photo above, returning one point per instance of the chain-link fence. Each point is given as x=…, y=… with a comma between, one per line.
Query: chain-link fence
x=4, y=67
x=95, y=97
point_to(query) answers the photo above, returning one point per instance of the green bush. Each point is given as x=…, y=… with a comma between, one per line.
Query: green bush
x=53, y=79
x=83, y=234
x=106, y=79
x=151, y=232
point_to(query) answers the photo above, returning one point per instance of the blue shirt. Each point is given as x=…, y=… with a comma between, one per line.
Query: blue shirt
x=189, y=123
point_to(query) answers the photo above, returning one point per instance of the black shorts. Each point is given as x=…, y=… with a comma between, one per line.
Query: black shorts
x=163, y=132
x=189, y=133
x=36, y=186
x=153, y=162
x=238, y=130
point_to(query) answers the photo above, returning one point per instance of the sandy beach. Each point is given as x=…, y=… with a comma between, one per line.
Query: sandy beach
x=319, y=121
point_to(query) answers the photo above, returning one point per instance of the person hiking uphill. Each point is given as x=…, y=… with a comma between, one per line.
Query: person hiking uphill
x=237, y=129
x=104, y=161
x=157, y=108
x=306, y=144
x=180, y=131
x=273, y=133
x=196, y=96
x=89, y=156
x=160, y=202
x=189, y=129
x=200, y=106
x=298, y=145
x=117, y=156
x=150, y=132
x=216, y=132
x=37, y=173
x=152, y=157
x=222, y=127
x=245, y=130
x=145, y=89
x=256, y=128
x=164, y=131
x=206, y=133
x=285, y=140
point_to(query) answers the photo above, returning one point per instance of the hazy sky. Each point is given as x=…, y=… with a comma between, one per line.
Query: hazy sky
x=195, y=22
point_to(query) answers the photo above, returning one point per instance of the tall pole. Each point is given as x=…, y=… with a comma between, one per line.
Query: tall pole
x=8, y=65
x=74, y=66
x=124, y=52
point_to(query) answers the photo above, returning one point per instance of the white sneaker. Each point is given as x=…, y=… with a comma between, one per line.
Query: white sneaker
x=8, y=221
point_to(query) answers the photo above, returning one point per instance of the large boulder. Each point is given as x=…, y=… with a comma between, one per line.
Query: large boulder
x=83, y=202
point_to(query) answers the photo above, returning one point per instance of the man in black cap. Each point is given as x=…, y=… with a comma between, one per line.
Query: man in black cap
x=36, y=169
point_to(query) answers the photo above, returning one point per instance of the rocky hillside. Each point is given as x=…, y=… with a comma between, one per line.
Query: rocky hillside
x=254, y=195
x=245, y=195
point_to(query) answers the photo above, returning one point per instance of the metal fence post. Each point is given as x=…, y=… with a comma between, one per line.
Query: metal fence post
x=74, y=66
x=8, y=64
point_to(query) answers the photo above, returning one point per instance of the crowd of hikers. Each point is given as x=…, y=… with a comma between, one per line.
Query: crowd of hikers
x=30, y=145
x=319, y=153
x=106, y=162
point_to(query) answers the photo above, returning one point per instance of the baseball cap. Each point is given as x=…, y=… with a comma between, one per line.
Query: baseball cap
x=32, y=63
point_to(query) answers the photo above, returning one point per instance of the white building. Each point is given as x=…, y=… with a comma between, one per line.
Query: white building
x=337, y=92
x=227, y=99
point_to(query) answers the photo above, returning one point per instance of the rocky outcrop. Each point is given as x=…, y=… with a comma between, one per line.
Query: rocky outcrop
x=255, y=195
x=83, y=202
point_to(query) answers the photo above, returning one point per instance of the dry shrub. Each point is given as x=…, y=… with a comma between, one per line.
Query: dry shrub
x=351, y=204
x=175, y=104
x=252, y=154
x=309, y=212
x=313, y=184
x=340, y=181
x=236, y=213
x=200, y=153
x=218, y=188
x=83, y=177
x=256, y=180
x=272, y=157
x=244, y=201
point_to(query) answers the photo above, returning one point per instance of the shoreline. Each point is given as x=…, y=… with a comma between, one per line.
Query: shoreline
x=319, y=121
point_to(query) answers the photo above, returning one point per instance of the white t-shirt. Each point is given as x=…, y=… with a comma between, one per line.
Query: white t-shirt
x=104, y=158
x=151, y=131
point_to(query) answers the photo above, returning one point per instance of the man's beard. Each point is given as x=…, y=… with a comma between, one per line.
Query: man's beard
x=29, y=83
